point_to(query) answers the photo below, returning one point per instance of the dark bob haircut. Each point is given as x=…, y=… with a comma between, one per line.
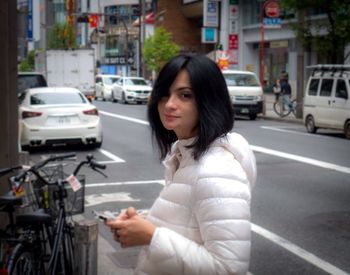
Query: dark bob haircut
x=215, y=110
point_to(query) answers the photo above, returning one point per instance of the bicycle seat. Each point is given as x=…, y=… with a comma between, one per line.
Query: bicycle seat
x=9, y=200
x=37, y=218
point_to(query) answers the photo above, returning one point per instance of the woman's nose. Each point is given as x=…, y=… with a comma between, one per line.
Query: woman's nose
x=171, y=102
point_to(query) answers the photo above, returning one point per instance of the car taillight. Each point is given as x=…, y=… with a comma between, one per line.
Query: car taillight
x=27, y=114
x=92, y=112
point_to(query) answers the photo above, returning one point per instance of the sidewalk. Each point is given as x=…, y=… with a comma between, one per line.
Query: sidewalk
x=105, y=264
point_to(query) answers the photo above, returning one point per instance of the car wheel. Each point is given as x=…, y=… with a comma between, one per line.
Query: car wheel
x=25, y=148
x=123, y=99
x=98, y=144
x=310, y=125
x=113, y=99
x=252, y=116
x=347, y=129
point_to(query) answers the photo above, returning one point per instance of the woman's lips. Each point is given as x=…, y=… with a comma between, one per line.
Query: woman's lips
x=170, y=117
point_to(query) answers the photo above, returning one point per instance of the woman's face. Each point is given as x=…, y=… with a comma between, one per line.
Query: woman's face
x=178, y=110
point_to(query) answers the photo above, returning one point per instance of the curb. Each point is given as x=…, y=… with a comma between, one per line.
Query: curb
x=281, y=119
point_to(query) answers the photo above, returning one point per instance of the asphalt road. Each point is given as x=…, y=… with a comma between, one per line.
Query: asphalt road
x=300, y=205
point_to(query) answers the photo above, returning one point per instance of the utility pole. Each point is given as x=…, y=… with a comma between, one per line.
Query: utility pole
x=8, y=102
x=300, y=68
x=143, y=24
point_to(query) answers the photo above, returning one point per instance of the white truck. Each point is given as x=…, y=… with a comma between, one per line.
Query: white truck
x=70, y=68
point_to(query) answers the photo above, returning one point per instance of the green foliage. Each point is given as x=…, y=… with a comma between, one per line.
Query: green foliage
x=329, y=44
x=62, y=36
x=159, y=48
x=28, y=64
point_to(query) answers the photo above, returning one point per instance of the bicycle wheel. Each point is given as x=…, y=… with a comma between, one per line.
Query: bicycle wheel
x=281, y=108
x=294, y=106
x=24, y=261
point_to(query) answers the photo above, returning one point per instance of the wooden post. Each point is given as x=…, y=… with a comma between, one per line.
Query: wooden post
x=85, y=247
x=8, y=91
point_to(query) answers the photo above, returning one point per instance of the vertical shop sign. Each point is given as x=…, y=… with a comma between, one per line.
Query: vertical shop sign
x=233, y=36
x=233, y=41
x=272, y=18
x=211, y=13
x=30, y=20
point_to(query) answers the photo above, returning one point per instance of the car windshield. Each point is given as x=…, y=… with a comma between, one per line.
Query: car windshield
x=30, y=81
x=110, y=80
x=241, y=80
x=56, y=98
x=135, y=81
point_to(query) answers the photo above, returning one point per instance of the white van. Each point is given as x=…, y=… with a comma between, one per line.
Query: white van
x=245, y=92
x=326, y=100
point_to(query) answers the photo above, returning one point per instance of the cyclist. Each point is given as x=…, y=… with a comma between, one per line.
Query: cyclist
x=286, y=92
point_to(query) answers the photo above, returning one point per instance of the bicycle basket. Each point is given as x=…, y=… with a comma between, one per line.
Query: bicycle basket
x=73, y=201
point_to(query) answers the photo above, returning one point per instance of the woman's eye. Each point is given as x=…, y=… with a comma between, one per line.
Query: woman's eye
x=186, y=95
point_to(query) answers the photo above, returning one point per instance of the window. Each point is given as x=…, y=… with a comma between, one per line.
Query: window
x=313, y=87
x=326, y=87
x=241, y=80
x=56, y=98
x=341, y=90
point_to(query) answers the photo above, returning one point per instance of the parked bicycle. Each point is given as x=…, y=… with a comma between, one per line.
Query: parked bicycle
x=46, y=244
x=9, y=202
x=283, y=107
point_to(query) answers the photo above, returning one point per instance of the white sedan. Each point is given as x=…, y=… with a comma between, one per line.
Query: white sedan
x=58, y=116
x=131, y=89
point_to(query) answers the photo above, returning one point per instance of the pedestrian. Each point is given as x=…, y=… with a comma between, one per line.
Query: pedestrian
x=276, y=89
x=200, y=223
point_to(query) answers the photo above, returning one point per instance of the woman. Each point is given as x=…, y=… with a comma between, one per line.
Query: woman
x=276, y=89
x=200, y=224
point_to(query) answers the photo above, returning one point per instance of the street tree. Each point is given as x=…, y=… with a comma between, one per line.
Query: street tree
x=159, y=48
x=328, y=36
x=27, y=64
x=62, y=36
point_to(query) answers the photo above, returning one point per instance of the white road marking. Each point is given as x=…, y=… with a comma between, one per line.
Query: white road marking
x=298, y=251
x=95, y=199
x=125, y=118
x=285, y=131
x=161, y=182
x=310, y=161
x=111, y=156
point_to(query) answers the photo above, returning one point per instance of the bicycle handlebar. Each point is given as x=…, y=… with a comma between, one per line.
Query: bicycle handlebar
x=5, y=171
x=35, y=168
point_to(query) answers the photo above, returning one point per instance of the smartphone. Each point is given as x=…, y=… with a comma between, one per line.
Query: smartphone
x=105, y=215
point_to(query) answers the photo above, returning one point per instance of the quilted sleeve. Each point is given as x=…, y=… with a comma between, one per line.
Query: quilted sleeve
x=222, y=209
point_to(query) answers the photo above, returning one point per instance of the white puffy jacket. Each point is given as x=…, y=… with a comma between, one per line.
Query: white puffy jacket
x=203, y=213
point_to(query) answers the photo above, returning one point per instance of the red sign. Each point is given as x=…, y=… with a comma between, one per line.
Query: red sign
x=272, y=9
x=233, y=41
x=93, y=20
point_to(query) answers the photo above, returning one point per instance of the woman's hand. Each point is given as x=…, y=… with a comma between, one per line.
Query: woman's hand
x=130, y=229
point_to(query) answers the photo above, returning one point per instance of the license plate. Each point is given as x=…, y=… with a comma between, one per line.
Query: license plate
x=61, y=120
x=244, y=110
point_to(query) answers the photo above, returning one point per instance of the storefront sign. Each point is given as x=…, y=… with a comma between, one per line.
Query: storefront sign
x=233, y=56
x=209, y=35
x=118, y=60
x=279, y=44
x=272, y=15
x=210, y=13
x=30, y=20
x=233, y=41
